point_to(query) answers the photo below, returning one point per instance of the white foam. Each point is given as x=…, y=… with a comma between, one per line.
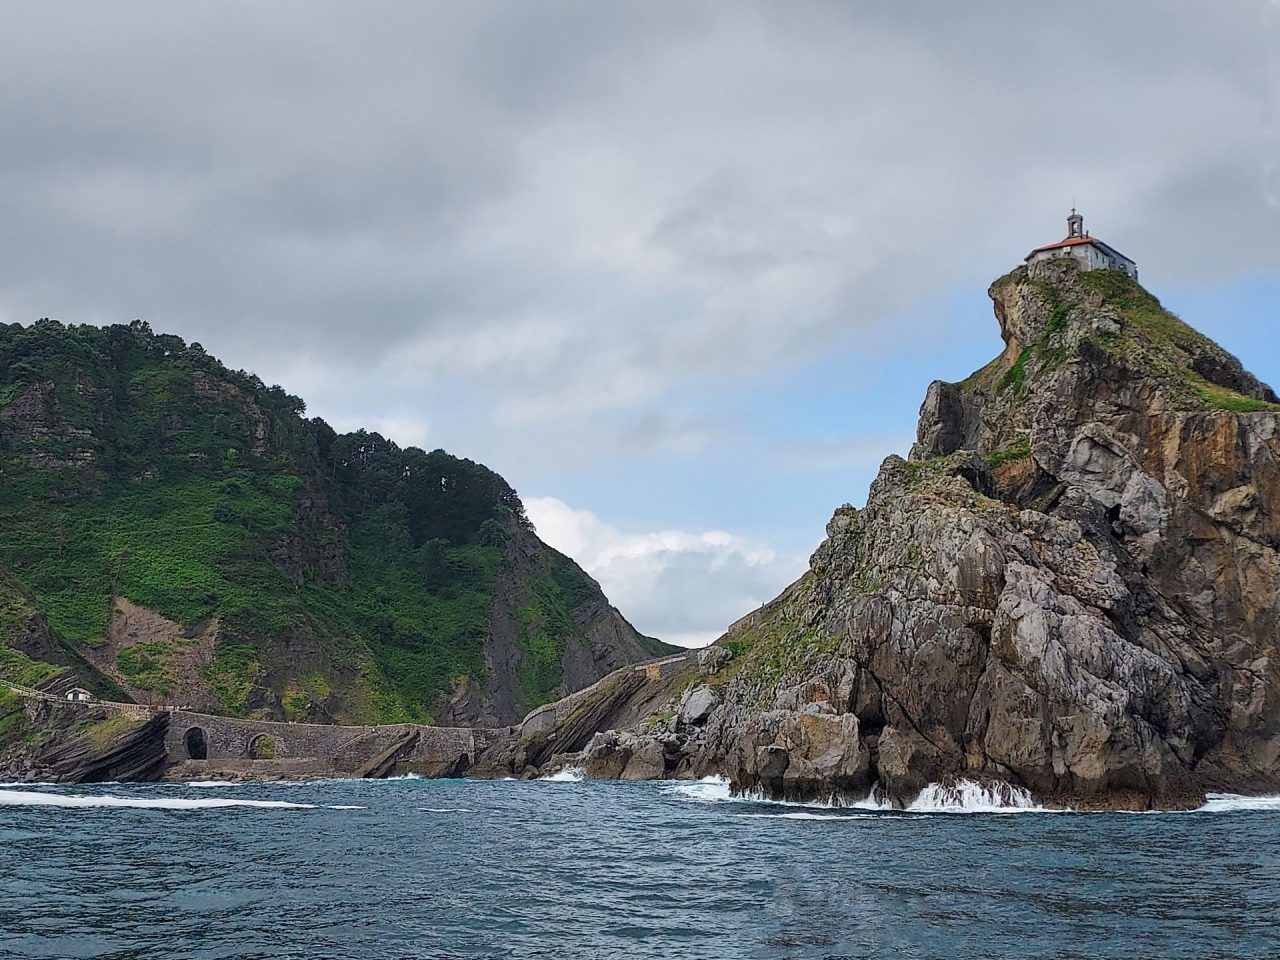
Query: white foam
x=211, y=783
x=805, y=815
x=444, y=810
x=346, y=806
x=717, y=789
x=30, y=798
x=706, y=790
x=567, y=775
x=969, y=796
x=1235, y=803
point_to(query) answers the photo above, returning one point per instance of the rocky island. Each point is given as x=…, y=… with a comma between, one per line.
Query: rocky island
x=1069, y=588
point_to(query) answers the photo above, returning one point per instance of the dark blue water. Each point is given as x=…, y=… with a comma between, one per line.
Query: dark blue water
x=443, y=869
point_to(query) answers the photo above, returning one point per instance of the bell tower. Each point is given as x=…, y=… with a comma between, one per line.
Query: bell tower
x=1075, y=224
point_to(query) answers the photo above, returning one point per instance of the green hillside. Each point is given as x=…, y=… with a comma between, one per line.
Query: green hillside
x=313, y=575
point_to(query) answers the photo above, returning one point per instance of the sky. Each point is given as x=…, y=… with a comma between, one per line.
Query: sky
x=680, y=271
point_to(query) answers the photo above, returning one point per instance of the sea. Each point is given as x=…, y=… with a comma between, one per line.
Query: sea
x=566, y=868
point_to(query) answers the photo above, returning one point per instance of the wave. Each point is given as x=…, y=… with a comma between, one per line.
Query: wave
x=1236, y=803
x=962, y=796
x=567, y=775
x=969, y=796
x=715, y=789
x=31, y=798
x=804, y=815
x=706, y=790
x=444, y=810
x=211, y=783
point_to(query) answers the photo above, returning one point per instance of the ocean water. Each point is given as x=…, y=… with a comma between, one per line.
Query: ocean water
x=569, y=869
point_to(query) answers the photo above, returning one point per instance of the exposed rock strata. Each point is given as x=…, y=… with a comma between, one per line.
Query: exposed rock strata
x=1071, y=586
x=88, y=745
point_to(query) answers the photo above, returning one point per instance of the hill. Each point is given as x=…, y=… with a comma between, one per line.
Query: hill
x=175, y=531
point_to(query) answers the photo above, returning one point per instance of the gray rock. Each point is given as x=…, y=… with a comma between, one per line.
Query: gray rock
x=696, y=704
x=647, y=761
x=711, y=660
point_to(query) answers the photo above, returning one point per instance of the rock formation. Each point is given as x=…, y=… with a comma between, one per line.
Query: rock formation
x=1070, y=586
x=85, y=745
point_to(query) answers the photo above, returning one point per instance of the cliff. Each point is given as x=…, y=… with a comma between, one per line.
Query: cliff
x=174, y=531
x=1071, y=586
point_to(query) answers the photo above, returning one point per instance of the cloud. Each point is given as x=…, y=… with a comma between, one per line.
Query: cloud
x=679, y=586
x=576, y=207
x=571, y=235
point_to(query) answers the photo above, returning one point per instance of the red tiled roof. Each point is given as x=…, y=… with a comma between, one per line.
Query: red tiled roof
x=1073, y=242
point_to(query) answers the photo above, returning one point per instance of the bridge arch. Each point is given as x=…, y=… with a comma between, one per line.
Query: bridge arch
x=197, y=743
x=262, y=747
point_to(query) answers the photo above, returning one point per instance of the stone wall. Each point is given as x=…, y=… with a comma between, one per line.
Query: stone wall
x=344, y=748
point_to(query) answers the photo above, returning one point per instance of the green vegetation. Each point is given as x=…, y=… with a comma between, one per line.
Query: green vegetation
x=17, y=613
x=147, y=666
x=231, y=676
x=13, y=717
x=546, y=622
x=105, y=731
x=1143, y=311
x=18, y=668
x=1010, y=452
x=1148, y=339
x=1217, y=397
x=1162, y=345
x=1043, y=348
x=133, y=464
x=1016, y=374
x=921, y=472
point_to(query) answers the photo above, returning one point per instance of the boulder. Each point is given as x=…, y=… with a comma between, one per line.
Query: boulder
x=711, y=660
x=696, y=704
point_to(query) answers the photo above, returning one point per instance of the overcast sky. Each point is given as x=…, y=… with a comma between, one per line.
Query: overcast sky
x=681, y=271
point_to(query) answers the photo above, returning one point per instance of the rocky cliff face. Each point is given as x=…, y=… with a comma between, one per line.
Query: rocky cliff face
x=1071, y=586
x=85, y=745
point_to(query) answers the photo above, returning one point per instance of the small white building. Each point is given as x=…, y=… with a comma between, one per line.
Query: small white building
x=1090, y=252
x=79, y=695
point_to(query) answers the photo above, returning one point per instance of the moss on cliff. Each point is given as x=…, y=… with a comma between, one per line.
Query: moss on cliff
x=1156, y=342
x=103, y=732
x=1010, y=452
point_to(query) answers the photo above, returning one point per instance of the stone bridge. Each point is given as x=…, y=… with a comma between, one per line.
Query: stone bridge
x=204, y=746
x=260, y=746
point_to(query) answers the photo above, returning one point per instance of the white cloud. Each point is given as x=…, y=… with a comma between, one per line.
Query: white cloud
x=682, y=587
